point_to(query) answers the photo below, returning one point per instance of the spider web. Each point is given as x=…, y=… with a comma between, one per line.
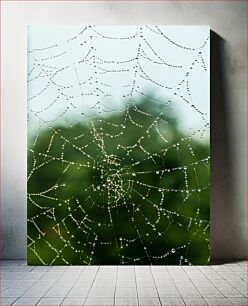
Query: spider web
x=101, y=189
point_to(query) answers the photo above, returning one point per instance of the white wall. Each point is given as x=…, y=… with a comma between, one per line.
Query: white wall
x=226, y=18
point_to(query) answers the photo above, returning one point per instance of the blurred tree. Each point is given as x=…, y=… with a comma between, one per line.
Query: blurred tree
x=126, y=187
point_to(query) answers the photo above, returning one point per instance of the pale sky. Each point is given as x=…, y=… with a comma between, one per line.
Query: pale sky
x=165, y=56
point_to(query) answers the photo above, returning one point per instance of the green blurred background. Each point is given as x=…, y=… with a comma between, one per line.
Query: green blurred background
x=126, y=187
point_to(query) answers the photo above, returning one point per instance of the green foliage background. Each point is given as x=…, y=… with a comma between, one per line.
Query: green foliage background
x=89, y=201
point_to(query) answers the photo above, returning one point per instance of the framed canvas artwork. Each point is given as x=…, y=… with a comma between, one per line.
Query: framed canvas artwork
x=118, y=145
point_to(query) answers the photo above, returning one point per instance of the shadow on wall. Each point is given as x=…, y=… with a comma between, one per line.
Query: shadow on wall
x=223, y=208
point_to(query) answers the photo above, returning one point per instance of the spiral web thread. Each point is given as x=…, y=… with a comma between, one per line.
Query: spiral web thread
x=65, y=95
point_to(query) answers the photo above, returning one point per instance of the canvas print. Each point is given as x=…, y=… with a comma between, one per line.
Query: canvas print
x=118, y=145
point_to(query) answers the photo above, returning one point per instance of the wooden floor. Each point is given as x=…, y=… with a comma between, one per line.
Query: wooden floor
x=123, y=285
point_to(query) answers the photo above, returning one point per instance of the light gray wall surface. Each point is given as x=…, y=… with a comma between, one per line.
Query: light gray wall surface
x=228, y=101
